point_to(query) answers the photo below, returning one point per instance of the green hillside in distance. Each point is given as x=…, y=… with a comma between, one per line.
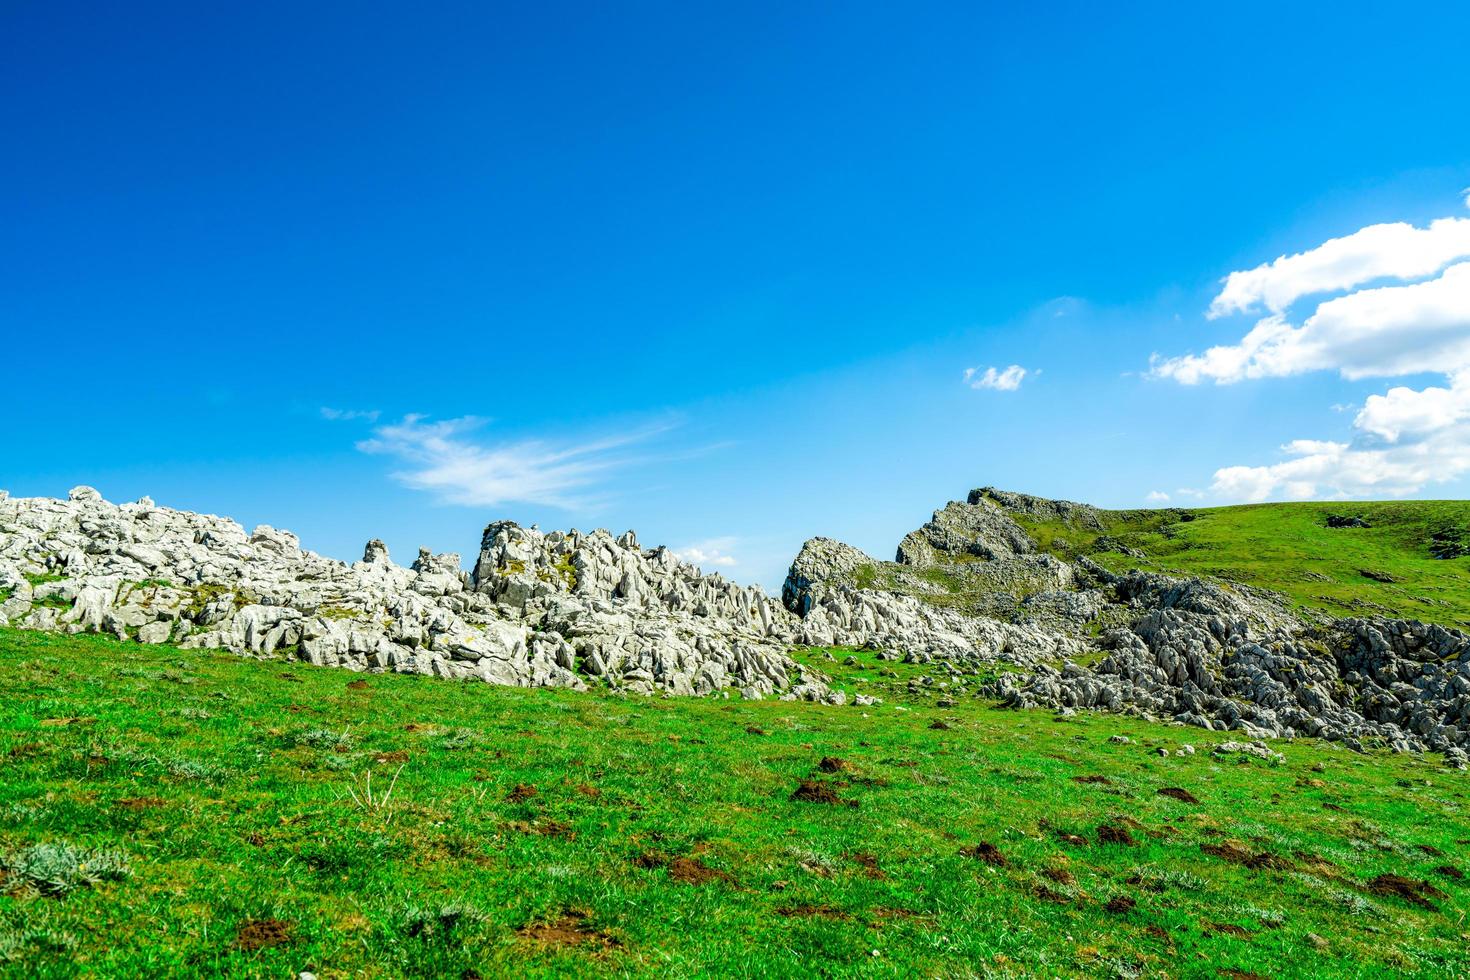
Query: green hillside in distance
x=1411, y=560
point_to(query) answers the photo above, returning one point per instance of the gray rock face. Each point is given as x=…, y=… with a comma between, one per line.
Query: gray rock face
x=578, y=609
x=1220, y=656
x=974, y=529
x=560, y=609
x=821, y=565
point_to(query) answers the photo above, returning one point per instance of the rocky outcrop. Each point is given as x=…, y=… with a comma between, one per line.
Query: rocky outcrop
x=1212, y=654
x=975, y=529
x=572, y=609
x=564, y=610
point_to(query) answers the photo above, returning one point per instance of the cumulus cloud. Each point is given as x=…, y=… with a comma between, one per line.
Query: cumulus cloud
x=1404, y=439
x=1406, y=413
x=1157, y=497
x=1006, y=379
x=444, y=459
x=1387, y=251
x=1318, y=469
x=713, y=552
x=349, y=415
x=1382, y=332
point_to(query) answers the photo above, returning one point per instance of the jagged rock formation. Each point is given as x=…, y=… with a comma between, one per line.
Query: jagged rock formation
x=968, y=589
x=557, y=609
x=1212, y=654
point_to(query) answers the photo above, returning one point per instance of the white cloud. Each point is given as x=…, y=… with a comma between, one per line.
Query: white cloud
x=1382, y=332
x=444, y=461
x=1157, y=497
x=1403, y=440
x=1388, y=251
x=1404, y=412
x=349, y=415
x=1008, y=379
x=1340, y=470
x=714, y=551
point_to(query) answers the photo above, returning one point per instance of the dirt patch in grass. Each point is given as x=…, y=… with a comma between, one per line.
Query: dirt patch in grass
x=1158, y=932
x=685, y=870
x=869, y=864
x=1046, y=894
x=357, y=685
x=987, y=852
x=140, y=803
x=1092, y=780
x=589, y=791
x=1119, y=904
x=755, y=730
x=1060, y=875
x=263, y=933
x=692, y=871
x=66, y=722
x=543, y=828
x=1239, y=974
x=1226, y=929
x=1450, y=871
x=939, y=725
x=1111, y=833
x=1178, y=793
x=1415, y=892
x=521, y=793
x=395, y=757
x=569, y=929
x=812, y=911
x=831, y=763
x=1236, y=854
x=24, y=750
x=815, y=791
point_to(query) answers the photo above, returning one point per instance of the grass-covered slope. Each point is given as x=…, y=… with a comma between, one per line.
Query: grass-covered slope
x=170, y=813
x=1412, y=561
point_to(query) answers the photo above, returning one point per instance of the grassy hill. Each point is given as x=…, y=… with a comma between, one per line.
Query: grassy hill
x=1412, y=560
x=167, y=813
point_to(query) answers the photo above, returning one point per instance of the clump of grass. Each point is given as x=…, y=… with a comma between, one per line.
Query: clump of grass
x=35, y=944
x=360, y=791
x=192, y=770
x=325, y=738
x=438, y=921
x=460, y=738
x=1165, y=879
x=59, y=868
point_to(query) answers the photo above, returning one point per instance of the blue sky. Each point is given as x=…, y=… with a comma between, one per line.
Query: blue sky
x=400, y=269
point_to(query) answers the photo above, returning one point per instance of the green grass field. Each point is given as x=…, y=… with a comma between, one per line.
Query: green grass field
x=173, y=813
x=1389, y=568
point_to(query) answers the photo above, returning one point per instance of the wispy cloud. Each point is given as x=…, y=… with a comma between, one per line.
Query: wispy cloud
x=711, y=552
x=349, y=415
x=1005, y=379
x=444, y=459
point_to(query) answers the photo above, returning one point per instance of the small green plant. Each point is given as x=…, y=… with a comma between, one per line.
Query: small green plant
x=325, y=738
x=460, y=738
x=44, y=577
x=438, y=921
x=58, y=868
